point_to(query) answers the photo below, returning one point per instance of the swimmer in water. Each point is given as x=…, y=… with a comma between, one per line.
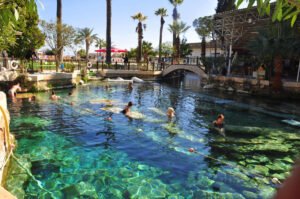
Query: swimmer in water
x=53, y=96
x=13, y=91
x=219, y=124
x=170, y=112
x=126, y=110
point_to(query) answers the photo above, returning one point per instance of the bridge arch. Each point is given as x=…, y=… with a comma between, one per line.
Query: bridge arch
x=193, y=68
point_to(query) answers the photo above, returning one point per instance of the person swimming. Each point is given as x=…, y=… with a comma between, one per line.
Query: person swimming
x=13, y=91
x=53, y=96
x=219, y=122
x=170, y=112
x=130, y=87
x=126, y=110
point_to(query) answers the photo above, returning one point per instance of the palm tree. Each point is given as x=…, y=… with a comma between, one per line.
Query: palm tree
x=162, y=12
x=203, y=27
x=99, y=43
x=273, y=45
x=175, y=16
x=59, y=55
x=108, y=31
x=86, y=35
x=139, y=29
x=178, y=28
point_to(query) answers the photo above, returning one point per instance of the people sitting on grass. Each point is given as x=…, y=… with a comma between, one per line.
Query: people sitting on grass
x=54, y=96
x=13, y=90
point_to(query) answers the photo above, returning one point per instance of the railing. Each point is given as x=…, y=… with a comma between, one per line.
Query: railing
x=41, y=65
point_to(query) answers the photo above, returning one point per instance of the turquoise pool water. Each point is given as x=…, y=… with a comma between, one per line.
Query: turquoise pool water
x=75, y=152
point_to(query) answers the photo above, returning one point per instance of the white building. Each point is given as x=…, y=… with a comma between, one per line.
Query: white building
x=210, y=49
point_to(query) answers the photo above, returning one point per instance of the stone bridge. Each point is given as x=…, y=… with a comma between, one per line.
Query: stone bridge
x=192, y=68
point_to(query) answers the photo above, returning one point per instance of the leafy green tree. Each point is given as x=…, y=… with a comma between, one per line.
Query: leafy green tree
x=49, y=52
x=167, y=49
x=81, y=53
x=9, y=16
x=178, y=28
x=284, y=9
x=185, y=48
x=175, y=16
x=50, y=31
x=204, y=27
x=31, y=38
x=162, y=12
x=132, y=53
x=59, y=26
x=225, y=5
x=139, y=29
x=86, y=35
x=148, y=50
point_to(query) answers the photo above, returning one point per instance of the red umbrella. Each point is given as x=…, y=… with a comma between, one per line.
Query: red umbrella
x=113, y=50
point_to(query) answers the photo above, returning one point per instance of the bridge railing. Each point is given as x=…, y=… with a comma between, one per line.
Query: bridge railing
x=40, y=65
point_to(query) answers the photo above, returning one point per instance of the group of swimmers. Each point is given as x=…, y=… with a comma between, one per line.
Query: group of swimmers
x=218, y=123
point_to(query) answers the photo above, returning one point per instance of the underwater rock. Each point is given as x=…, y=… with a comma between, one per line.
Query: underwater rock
x=279, y=166
x=124, y=172
x=142, y=167
x=172, y=128
x=266, y=192
x=81, y=189
x=288, y=160
x=210, y=194
x=250, y=195
x=259, y=169
x=204, y=182
x=175, y=196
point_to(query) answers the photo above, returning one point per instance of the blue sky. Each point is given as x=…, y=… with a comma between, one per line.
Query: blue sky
x=92, y=14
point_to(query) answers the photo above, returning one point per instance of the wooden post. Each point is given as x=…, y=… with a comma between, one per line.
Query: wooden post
x=128, y=65
x=116, y=65
x=97, y=65
x=197, y=63
x=41, y=65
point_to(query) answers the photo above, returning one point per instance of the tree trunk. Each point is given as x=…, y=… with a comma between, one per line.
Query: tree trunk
x=87, y=48
x=108, y=31
x=177, y=49
x=174, y=33
x=162, y=21
x=203, y=48
x=140, y=39
x=277, y=83
x=59, y=55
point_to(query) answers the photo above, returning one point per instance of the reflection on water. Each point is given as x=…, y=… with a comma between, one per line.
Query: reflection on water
x=74, y=151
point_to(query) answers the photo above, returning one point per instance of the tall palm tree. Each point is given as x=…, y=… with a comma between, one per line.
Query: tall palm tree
x=203, y=27
x=108, y=31
x=162, y=12
x=178, y=28
x=139, y=29
x=86, y=35
x=175, y=16
x=59, y=55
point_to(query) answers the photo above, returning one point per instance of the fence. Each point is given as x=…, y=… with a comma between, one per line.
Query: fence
x=41, y=65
